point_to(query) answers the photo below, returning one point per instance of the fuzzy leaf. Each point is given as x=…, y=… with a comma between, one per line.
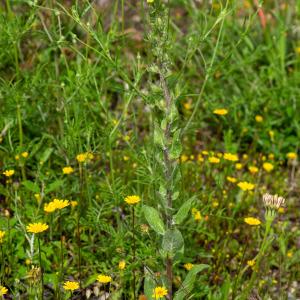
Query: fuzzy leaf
x=183, y=211
x=154, y=220
x=188, y=283
x=172, y=242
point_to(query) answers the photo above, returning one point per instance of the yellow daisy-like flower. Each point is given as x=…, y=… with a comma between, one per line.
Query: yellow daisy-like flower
x=253, y=169
x=214, y=160
x=184, y=158
x=122, y=264
x=68, y=170
x=24, y=154
x=268, y=166
x=196, y=213
x=297, y=50
x=71, y=285
x=291, y=155
x=231, y=179
x=73, y=203
x=231, y=157
x=204, y=152
x=49, y=207
x=246, y=186
x=131, y=200
x=251, y=263
x=3, y=290
x=221, y=111
x=188, y=266
x=160, y=292
x=259, y=119
x=37, y=227
x=60, y=204
x=104, y=278
x=9, y=173
x=238, y=166
x=2, y=234
x=81, y=157
x=252, y=221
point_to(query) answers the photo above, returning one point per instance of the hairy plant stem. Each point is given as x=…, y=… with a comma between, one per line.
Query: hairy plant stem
x=61, y=251
x=78, y=225
x=134, y=249
x=168, y=178
x=257, y=259
x=41, y=268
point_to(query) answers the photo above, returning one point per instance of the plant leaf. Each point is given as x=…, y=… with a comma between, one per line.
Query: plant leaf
x=154, y=220
x=172, y=242
x=183, y=211
x=188, y=283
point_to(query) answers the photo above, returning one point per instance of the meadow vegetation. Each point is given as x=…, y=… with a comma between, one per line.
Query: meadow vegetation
x=149, y=149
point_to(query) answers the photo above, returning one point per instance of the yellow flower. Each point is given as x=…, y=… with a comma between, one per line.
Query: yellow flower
x=2, y=234
x=271, y=156
x=60, y=204
x=200, y=158
x=221, y=111
x=89, y=155
x=231, y=157
x=204, y=152
x=68, y=170
x=49, y=207
x=17, y=157
x=187, y=105
x=231, y=179
x=281, y=210
x=9, y=173
x=188, y=266
x=238, y=166
x=104, y=278
x=289, y=254
x=184, y=158
x=268, y=166
x=122, y=264
x=245, y=156
x=81, y=157
x=297, y=50
x=73, y=203
x=253, y=169
x=24, y=154
x=259, y=119
x=214, y=160
x=196, y=213
x=134, y=199
x=3, y=290
x=37, y=227
x=215, y=204
x=246, y=186
x=252, y=221
x=38, y=197
x=271, y=134
x=150, y=1
x=291, y=155
x=251, y=263
x=160, y=292
x=71, y=285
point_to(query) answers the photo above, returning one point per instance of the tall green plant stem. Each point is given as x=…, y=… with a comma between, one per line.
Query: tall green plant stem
x=258, y=258
x=168, y=178
x=134, y=249
x=41, y=268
